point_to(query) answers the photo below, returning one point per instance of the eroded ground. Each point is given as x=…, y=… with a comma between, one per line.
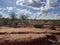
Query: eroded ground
x=25, y=34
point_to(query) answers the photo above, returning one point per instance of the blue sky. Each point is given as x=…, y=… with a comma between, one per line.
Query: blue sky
x=39, y=9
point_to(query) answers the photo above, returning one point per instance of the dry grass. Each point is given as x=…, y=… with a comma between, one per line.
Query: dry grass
x=22, y=37
x=27, y=36
x=8, y=29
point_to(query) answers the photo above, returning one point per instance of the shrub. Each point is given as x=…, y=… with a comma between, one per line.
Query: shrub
x=53, y=28
x=38, y=26
x=14, y=24
x=24, y=19
x=5, y=21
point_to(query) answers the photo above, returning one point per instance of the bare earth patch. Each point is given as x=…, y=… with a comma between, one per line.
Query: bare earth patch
x=24, y=34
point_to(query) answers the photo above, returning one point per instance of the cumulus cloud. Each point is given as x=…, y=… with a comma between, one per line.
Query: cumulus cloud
x=10, y=8
x=36, y=15
x=37, y=3
x=50, y=4
x=44, y=7
x=25, y=12
x=3, y=14
x=54, y=16
x=49, y=15
x=0, y=8
x=30, y=3
x=17, y=9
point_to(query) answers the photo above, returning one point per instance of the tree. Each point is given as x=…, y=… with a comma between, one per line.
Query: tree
x=13, y=21
x=0, y=16
x=24, y=19
x=13, y=16
x=5, y=21
x=0, y=19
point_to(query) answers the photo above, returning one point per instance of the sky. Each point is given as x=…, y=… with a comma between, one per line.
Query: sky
x=35, y=9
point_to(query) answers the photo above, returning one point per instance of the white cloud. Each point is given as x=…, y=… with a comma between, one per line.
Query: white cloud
x=17, y=9
x=0, y=8
x=4, y=15
x=1, y=13
x=26, y=12
x=7, y=8
x=50, y=4
x=49, y=15
x=35, y=15
x=44, y=7
x=30, y=3
x=23, y=12
x=37, y=3
x=10, y=8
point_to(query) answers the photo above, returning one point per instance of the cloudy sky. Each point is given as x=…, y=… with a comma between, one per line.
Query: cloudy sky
x=39, y=9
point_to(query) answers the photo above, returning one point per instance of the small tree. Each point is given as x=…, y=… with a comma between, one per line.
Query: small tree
x=24, y=19
x=0, y=16
x=1, y=19
x=5, y=21
x=13, y=18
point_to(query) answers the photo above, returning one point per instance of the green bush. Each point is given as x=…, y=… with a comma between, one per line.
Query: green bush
x=52, y=28
x=13, y=24
x=38, y=26
x=24, y=19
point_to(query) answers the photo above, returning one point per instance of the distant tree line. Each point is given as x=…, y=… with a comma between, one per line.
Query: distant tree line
x=12, y=21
